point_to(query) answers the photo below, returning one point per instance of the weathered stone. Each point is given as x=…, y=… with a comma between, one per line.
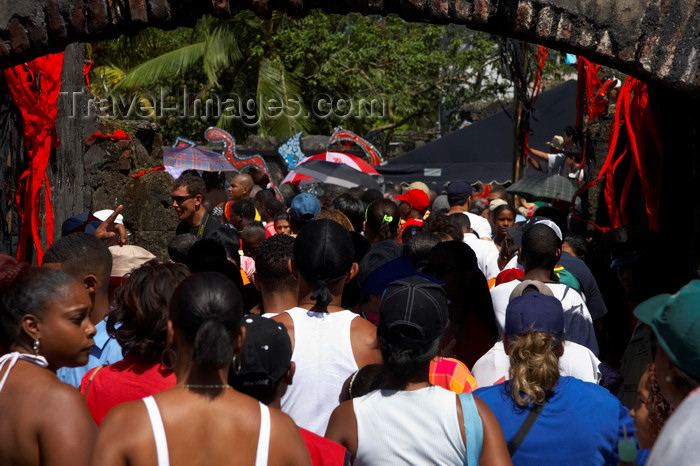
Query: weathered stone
x=650, y=40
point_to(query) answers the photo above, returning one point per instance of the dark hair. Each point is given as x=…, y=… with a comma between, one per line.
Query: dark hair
x=229, y=239
x=272, y=263
x=363, y=381
x=442, y=225
x=371, y=195
x=258, y=176
x=194, y=183
x=578, y=244
x=244, y=208
x=28, y=293
x=338, y=217
x=281, y=215
x=497, y=211
x=501, y=191
x=418, y=248
x=81, y=254
x=142, y=309
x=207, y=310
x=204, y=252
x=456, y=255
x=352, y=207
x=461, y=220
x=383, y=219
x=574, y=133
x=539, y=246
x=402, y=357
x=323, y=254
x=179, y=246
x=253, y=231
x=268, y=201
x=508, y=248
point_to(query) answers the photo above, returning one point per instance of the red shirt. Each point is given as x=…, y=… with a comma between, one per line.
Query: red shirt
x=127, y=380
x=324, y=452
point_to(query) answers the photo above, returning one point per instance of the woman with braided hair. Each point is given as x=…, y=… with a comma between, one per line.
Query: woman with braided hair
x=329, y=343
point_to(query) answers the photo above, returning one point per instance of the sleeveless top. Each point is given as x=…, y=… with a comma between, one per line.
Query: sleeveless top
x=12, y=359
x=410, y=427
x=162, y=443
x=324, y=360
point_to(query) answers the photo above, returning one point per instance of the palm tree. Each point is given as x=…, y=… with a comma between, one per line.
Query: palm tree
x=230, y=70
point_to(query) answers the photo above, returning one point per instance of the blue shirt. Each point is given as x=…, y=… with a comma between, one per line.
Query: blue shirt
x=580, y=424
x=105, y=351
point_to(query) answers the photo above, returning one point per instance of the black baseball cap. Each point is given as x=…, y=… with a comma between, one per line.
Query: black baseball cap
x=413, y=311
x=266, y=353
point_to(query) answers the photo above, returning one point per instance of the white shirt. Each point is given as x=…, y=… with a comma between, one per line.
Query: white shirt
x=480, y=225
x=677, y=441
x=577, y=361
x=486, y=255
x=578, y=324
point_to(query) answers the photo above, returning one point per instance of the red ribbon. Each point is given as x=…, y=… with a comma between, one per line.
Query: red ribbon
x=34, y=87
x=117, y=135
x=143, y=172
x=634, y=111
x=86, y=72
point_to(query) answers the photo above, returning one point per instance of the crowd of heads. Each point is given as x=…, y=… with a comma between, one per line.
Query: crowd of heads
x=406, y=263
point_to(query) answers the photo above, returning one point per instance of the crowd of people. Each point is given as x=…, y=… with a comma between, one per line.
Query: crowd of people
x=358, y=327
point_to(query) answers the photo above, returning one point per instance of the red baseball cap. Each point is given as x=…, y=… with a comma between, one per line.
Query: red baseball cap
x=417, y=198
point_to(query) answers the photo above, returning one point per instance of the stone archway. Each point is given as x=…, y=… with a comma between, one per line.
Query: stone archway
x=654, y=40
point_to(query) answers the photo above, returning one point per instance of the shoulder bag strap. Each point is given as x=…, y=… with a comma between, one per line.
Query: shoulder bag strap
x=92, y=376
x=473, y=428
x=529, y=421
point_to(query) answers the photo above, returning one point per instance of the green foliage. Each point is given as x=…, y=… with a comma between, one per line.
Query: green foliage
x=273, y=77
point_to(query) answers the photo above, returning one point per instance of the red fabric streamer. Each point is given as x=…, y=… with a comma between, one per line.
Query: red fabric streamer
x=542, y=53
x=86, y=72
x=34, y=87
x=117, y=135
x=634, y=111
x=143, y=172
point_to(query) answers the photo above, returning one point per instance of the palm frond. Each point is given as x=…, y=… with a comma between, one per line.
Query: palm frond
x=282, y=111
x=167, y=65
x=222, y=50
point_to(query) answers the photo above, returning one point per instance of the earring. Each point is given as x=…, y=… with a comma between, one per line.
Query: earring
x=36, y=347
x=172, y=359
x=236, y=364
x=669, y=379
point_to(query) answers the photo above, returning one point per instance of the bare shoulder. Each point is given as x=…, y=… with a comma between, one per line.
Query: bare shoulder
x=342, y=427
x=363, y=335
x=124, y=430
x=285, y=434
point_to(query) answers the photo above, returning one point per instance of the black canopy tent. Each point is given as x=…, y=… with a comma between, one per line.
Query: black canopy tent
x=483, y=151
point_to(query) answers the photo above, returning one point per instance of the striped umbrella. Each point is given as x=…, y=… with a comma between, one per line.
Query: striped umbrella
x=351, y=161
x=193, y=158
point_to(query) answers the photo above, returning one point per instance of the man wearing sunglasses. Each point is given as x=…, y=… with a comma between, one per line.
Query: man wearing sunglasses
x=188, y=194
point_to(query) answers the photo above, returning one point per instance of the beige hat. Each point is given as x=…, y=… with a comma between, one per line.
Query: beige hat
x=557, y=142
x=496, y=203
x=525, y=284
x=126, y=259
x=419, y=185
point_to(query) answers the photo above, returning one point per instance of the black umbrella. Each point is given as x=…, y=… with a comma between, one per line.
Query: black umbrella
x=335, y=173
x=541, y=187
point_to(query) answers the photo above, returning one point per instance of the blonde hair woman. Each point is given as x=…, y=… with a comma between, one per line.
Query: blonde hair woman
x=548, y=418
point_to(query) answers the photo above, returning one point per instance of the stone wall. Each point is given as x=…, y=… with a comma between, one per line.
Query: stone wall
x=650, y=39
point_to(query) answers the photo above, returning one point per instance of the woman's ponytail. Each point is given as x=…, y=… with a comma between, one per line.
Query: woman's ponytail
x=212, y=346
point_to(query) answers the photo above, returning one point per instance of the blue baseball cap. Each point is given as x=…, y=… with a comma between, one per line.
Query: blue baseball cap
x=535, y=312
x=305, y=207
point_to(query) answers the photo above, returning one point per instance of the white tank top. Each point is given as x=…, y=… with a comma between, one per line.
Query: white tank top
x=324, y=360
x=408, y=427
x=162, y=443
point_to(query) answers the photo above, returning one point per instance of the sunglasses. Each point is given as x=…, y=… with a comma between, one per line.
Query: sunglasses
x=180, y=199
